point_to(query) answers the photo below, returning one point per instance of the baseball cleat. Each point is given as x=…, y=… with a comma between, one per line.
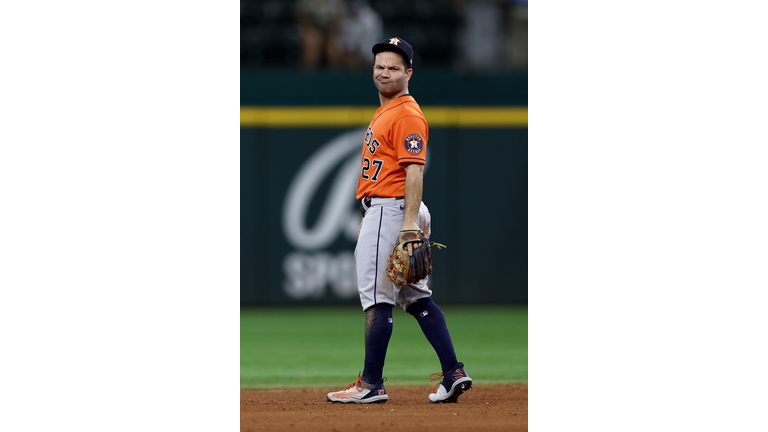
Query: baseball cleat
x=359, y=392
x=450, y=388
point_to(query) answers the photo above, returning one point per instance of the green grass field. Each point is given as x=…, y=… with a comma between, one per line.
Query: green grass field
x=324, y=347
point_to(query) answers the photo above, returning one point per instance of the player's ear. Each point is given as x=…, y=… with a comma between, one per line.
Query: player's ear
x=408, y=73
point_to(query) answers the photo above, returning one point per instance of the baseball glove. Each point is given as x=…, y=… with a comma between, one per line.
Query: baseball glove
x=404, y=269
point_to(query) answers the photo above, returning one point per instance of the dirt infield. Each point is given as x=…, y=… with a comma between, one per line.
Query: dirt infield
x=482, y=408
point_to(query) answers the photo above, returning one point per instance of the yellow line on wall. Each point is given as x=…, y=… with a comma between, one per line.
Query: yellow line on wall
x=334, y=116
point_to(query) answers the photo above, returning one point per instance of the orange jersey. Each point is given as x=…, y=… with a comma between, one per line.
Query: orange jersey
x=397, y=136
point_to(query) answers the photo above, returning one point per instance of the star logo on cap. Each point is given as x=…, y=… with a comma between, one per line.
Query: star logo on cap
x=394, y=41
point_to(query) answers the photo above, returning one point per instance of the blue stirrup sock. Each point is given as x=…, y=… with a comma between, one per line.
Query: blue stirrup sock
x=432, y=322
x=378, y=330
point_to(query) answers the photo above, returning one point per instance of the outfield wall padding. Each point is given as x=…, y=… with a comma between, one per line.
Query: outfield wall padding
x=299, y=217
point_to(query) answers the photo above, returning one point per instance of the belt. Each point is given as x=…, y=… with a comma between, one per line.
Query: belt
x=367, y=202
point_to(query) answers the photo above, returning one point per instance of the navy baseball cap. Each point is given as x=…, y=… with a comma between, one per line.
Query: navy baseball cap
x=397, y=45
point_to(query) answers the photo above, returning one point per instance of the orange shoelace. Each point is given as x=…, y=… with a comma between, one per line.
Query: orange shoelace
x=355, y=384
x=434, y=377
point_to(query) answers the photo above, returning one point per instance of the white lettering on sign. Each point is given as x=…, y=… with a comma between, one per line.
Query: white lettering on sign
x=308, y=275
x=338, y=214
x=309, y=270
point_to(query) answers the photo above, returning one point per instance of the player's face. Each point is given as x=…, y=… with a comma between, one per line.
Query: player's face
x=389, y=73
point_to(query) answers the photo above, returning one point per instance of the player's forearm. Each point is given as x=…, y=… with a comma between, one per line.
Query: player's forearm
x=414, y=177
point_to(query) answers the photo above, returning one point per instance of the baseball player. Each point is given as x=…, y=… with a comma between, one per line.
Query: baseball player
x=389, y=189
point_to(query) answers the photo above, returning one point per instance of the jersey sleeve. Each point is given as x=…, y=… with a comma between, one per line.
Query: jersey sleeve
x=409, y=136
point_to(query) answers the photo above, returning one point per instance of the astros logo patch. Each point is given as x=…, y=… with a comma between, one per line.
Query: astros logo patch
x=413, y=144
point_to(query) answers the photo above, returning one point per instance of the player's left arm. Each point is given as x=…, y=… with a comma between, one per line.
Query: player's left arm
x=414, y=180
x=410, y=134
